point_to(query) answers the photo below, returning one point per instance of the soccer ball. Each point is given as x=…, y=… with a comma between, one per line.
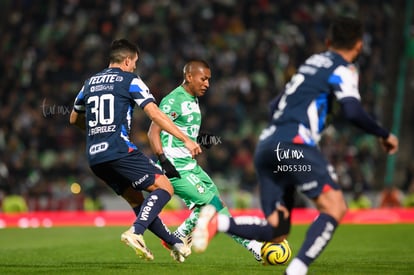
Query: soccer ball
x=276, y=253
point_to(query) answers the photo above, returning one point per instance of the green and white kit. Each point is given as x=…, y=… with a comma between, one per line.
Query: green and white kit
x=195, y=187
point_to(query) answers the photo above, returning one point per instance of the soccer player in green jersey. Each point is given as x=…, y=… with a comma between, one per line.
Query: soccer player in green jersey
x=191, y=183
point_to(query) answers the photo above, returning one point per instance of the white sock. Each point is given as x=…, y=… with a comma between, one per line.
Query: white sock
x=223, y=223
x=296, y=267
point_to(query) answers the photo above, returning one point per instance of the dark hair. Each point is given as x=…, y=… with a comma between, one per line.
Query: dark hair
x=195, y=62
x=121, y=49
x=344, y=32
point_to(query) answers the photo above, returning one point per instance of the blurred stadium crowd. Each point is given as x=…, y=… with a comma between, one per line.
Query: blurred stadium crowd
x=49, y=47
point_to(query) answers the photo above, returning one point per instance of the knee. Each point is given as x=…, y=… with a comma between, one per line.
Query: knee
x=332, y=203
x=337, y=210
x=162, y=182
x=343, y=208
x=133, y=197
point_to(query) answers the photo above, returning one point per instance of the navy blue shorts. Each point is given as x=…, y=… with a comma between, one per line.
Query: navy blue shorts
x=135, y=170
x=284, y=167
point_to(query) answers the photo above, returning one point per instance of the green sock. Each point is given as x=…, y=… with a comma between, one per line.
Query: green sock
x=188, y=225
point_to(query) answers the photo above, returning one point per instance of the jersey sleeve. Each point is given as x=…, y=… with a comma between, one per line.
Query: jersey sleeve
x=140, y=92
x=169, y=106
x=353, y=111
x=344, y=80
x=79, y=104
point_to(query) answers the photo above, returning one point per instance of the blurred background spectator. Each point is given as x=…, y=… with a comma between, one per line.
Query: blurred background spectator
x=49, y=47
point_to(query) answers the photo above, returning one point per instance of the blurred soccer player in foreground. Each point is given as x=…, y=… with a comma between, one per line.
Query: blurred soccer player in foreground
x=104, y=108
x=287, y=155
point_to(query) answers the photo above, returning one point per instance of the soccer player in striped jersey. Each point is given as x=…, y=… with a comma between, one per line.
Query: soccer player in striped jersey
x=104, y=108
x=287, y=156
x=190, y=181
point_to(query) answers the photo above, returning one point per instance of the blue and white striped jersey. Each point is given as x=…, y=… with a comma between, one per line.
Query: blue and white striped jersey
x=108, y=99
x=299, y=114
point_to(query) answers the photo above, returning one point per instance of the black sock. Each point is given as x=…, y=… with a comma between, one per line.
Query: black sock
x=319, y=234
x=251, y=228
x=161, y=231
x=136, y=210
x=150, y=209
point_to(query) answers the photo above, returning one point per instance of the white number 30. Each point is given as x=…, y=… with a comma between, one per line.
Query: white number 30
x=102, y=109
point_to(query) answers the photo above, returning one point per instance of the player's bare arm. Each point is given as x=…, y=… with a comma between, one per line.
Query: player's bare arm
x=158, y=117
x=154, y=138
x=154, y=132
x=77, y=119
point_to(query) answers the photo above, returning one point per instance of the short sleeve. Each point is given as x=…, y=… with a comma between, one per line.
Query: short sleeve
x=79, y=104
x=169, y=107
x=140, y=92
x=344, y=79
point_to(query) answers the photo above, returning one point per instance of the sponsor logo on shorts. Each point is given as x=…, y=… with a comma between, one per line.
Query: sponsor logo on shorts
x=141, y=180
x=200, y=189
x=308, y=186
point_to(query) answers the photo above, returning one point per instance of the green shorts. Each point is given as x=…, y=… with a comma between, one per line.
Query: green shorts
x=194, y=187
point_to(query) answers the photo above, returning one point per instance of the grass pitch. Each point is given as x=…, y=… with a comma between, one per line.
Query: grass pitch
x=355, y=249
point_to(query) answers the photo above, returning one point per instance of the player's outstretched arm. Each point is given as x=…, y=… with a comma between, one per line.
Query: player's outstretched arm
x=154, y=138
x=165, y=123
x=353, y=111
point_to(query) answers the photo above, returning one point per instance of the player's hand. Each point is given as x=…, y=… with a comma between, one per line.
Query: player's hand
x=283, y=209
x=168, y=167
x=193, y=147
x=390, y=144
x=205, y=140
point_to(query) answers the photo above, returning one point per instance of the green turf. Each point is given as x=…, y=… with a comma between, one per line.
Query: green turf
x=355, y=249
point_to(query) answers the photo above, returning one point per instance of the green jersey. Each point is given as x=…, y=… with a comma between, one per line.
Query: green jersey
x=183, y=109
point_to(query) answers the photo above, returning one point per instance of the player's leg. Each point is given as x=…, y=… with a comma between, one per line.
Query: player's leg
x=275, y=228
x=119, y=184
x=247, y=227
x=193, y=191
x=331, y=204
x=138, y=173
x=196, y=189
x=160, y=193
x=320, y=231
x=135, y=199
x=252, y=246
x=185, y=229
